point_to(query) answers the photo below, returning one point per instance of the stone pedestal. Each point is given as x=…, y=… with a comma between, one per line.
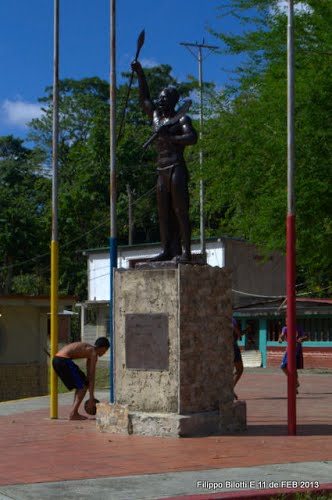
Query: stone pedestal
x=173, y=353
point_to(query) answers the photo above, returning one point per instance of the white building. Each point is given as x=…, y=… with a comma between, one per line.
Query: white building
x=24, y=343
x=253, y=276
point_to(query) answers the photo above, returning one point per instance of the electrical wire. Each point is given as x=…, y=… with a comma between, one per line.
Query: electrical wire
x=65, y=245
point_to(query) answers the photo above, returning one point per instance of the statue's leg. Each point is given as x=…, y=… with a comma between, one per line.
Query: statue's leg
x=180, y=205
x=163, y=200
x=175, y=236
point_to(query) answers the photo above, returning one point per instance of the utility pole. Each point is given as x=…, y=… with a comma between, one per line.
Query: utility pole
x=198, y=56
x=130, y=216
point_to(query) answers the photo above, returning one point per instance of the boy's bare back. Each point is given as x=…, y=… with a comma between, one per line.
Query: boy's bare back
x=78, y=350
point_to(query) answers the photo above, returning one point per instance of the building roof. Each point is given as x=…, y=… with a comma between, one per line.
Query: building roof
x=278, y=307
x=315, y=301
x=36, y=300
x=157, y=243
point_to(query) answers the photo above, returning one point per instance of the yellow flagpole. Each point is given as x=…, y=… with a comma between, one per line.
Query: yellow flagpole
x=54, y=326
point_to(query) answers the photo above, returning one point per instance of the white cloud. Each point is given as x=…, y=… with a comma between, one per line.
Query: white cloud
x=19, y=113
x=282, y=5
x=149, y=63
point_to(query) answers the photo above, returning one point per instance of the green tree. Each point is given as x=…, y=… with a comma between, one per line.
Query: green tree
x=83, y=174
x=84, y=182
x=246, y=138
x=24, y=194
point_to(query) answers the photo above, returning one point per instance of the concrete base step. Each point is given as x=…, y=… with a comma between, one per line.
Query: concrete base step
x=251, y=359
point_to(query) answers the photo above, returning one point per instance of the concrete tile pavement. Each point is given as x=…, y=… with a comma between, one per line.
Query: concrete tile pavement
x=181, y=485
x=40, y=455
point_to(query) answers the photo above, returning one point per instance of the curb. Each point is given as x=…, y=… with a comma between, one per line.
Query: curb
x=266, y=494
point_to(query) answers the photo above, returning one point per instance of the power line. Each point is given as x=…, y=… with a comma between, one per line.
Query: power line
x=41, y=256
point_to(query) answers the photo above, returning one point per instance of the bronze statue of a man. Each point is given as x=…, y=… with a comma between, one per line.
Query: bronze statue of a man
x=172, y=184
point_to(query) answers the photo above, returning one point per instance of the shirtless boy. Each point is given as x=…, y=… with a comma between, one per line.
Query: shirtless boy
x=73, y=377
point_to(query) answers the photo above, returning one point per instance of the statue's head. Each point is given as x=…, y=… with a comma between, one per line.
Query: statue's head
x=168, y=99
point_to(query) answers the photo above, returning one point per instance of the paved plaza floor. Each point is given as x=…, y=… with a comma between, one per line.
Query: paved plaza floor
x=45, y=458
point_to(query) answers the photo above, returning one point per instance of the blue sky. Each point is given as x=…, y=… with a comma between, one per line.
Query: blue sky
x=26, y=45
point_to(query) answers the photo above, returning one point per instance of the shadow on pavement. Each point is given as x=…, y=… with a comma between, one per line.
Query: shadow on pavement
x=282, y=430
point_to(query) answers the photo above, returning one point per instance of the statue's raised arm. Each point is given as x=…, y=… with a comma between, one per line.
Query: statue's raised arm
x=144, y=92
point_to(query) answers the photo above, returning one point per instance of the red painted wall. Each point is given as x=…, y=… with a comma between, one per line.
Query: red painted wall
x=314, y=357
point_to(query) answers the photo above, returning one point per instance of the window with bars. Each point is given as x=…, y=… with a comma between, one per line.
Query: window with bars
x=274, y=327
x=316, y=329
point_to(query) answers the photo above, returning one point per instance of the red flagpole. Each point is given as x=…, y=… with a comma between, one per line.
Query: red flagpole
x=291, y=236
